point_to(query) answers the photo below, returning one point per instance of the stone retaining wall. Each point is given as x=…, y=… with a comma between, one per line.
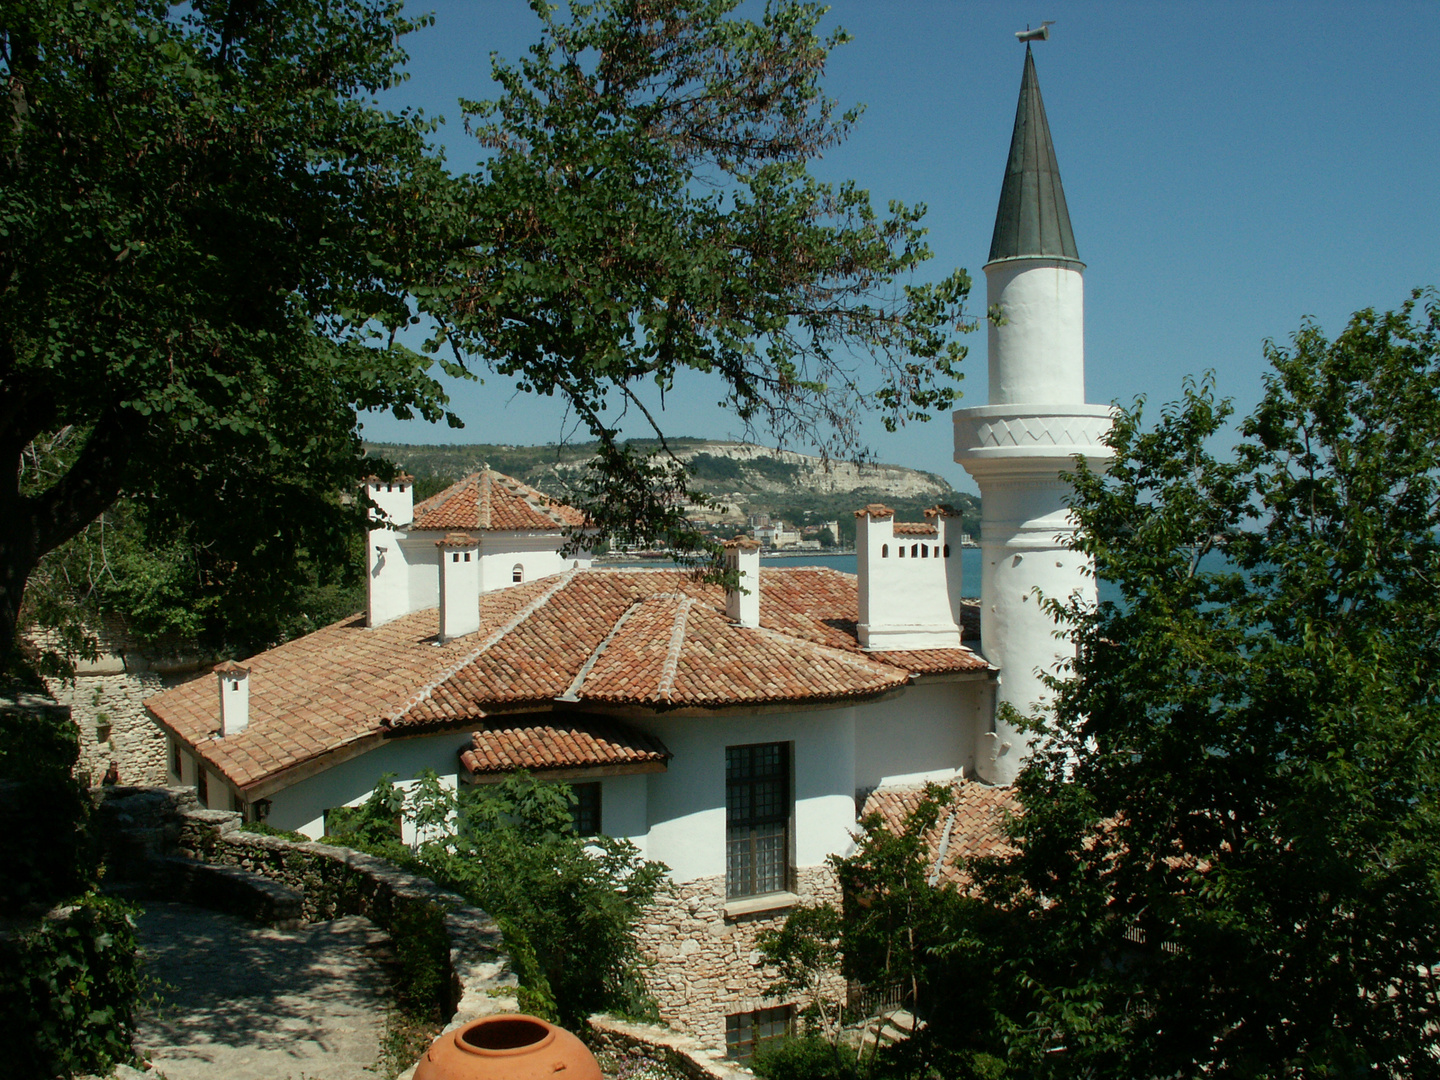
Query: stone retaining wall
x=705, y=963
x=145, y=829
x=649, y=1042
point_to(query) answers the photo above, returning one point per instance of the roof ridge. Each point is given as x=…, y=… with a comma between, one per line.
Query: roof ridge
x=677, y=642
x=426, y=691
x=572, y=692
x=847, y=656
x=943, y=848
x=483, y=484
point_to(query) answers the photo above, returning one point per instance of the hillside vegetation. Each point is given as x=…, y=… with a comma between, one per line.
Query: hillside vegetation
x=743, y=478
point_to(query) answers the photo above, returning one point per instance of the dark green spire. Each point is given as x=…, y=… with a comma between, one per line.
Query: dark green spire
x=1032, y=219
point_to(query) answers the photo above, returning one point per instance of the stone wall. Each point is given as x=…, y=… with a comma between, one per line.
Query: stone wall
x=147, y=831
x=705, y=963
x=634, y=1044
x=106, y=700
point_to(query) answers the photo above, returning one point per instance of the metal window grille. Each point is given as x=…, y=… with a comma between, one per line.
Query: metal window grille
x=744, y=1032
x=585, y=811
x=757, y=819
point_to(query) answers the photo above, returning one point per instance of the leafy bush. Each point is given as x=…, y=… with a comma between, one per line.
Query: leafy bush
x=808, y=1057
x=422, y=950
x=567, y=905
x=261, y=829
x=67, y=1003
x=44, y=845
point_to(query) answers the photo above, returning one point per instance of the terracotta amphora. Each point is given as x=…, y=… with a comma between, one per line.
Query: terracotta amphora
x=512, y=1047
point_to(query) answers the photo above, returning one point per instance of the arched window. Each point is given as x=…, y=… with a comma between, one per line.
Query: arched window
x=884, y=551
x=517, y=575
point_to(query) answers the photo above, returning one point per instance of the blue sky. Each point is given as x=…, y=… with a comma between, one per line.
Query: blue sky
x=1231, y=168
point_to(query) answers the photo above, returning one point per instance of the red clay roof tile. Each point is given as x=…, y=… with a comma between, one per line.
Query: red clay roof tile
x=558, y=742
x=491, y=501
x=648, y=639
x=972, y=826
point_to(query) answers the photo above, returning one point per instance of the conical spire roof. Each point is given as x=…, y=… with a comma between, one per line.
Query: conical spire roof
x=1033, y=219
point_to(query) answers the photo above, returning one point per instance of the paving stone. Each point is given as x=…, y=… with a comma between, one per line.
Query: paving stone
x=248, y=1002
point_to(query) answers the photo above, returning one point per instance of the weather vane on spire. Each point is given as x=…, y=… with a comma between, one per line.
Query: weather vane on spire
x=1043, y=34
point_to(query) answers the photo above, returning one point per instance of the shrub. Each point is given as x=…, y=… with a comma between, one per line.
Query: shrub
x=67, y=1001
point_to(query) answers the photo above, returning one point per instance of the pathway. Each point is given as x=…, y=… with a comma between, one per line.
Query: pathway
x=248, y=1002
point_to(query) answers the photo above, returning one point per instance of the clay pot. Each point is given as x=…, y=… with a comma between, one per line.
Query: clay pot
x=512, y=1047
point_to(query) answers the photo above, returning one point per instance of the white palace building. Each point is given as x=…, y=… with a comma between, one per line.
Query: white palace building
x=735, y=737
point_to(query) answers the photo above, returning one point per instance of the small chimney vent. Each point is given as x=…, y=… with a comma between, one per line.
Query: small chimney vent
x=742, y=603
x=459, y=585
x=234, y=698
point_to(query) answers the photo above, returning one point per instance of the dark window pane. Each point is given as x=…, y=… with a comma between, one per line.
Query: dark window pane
x=757, y=818
x=585, y=813
x=744, y=1032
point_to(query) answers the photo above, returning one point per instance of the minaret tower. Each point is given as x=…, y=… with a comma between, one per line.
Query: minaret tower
x=1018, y=446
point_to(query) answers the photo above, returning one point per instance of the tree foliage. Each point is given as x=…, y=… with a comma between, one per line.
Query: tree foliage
x=1227, y=859
x=207, y=237
x=647, y=210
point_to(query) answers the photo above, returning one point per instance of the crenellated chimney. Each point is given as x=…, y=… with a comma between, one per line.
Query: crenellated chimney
x=742, y=604
x=459, y=585
x=387, y=577
x=394, y=500
x=908, y=580
x=234, y=698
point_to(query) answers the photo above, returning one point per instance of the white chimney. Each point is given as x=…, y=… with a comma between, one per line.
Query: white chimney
x=394, y=500
x=387, y=574
x=234, y=698
x=908, y=581
x=459, y=585
x=742, y=604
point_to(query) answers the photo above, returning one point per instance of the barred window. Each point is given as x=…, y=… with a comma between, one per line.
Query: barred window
x=757, y=819
x=746, y=1031
x=585, y=811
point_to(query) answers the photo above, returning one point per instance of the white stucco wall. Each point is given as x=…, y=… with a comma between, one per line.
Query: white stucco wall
x=622, y=807
x=678, y=816
x=538, y=554
x=302, y=806
x=928, y=733
x=687, y=803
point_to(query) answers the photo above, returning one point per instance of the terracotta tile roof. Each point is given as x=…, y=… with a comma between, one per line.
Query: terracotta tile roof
x=649, y=639
x=914, y=528
x=971, y=827
x=490, y=501
x=558, y=742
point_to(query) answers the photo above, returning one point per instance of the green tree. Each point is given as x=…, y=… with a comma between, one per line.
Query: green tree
x=568, y=905
x=1227, y=859
x=207, y=238
x=647, y=210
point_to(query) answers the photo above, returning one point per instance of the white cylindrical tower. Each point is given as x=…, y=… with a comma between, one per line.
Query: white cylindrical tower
x=1020, y=445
